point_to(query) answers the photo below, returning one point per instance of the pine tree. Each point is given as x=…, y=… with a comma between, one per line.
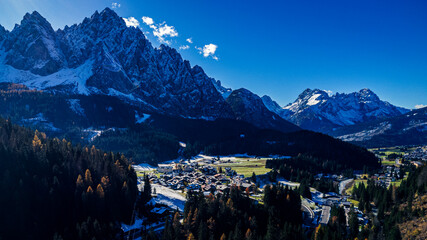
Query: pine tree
x=248, y=234
x=100, y=191
x=88, y=178
x=36, y=141
x=79, y=181
x=191, y=237
x=147, y=189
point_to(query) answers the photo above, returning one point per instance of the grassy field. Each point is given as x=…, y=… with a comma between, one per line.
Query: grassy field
x=141, y=173
x=354, y=202
x=246, y=166
x=388, y=163
x=355, y=183
x=398, y=182
x=391, y=150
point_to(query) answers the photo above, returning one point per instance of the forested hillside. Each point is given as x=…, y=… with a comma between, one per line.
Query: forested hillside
x=234, y=216
x=52, y=189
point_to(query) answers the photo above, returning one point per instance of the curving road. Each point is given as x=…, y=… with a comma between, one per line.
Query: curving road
x=306, y=208
x=343, y=184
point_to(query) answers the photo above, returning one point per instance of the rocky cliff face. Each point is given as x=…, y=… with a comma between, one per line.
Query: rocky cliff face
x=33, y=46
x=102, y=55
x=3, y=33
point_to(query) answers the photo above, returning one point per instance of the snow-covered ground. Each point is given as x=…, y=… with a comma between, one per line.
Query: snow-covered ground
x=76, y=107
x=288, y=183
x=367, y=134
x=169, y=197
x=92, y=133
x=40, y=122
x=69, y=76
x=143, y=167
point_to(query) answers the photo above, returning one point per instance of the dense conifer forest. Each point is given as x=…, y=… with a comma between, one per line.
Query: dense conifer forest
x=234, y=216
x=52, y=189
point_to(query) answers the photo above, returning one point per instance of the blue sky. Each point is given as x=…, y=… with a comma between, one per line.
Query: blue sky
x=278, y=48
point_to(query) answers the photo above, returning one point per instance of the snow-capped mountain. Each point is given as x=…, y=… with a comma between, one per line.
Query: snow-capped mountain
x=102, y=55
x=317, y=110
x=407, y=129
x=249, y=107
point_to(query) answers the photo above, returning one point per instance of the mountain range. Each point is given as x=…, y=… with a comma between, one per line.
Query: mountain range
x=318, y=110
x=406, y=129
x=101, y=56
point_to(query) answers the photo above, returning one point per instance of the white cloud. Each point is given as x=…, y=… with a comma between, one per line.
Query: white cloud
x=208, y=50
x=184, y=47
x=164, y=30
x=189, y=40
x=115, y=5
x=161, y=30
x=147, y=20
x=131, y=22
x=418, y=106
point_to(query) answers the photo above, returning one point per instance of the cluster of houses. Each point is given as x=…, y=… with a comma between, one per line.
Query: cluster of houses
x=192, y=176
x=420, y=153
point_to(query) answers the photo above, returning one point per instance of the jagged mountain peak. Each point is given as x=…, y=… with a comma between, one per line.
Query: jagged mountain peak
x=310, y=92
x=33, y=46
x=368, y=94
x=35, y=17
x=34, y=22
x=101, y=55
x=316, y=110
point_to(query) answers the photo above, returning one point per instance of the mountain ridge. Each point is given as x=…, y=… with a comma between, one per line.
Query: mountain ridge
x=317, y=110
x=101, y=55
x=406, y=129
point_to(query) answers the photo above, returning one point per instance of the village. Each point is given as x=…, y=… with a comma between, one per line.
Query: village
x=212, y=175
x=170, y=181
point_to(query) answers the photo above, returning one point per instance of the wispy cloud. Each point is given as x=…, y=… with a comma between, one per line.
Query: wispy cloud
x=418, y=106
x=208, y=50
x=115, y=5
x=131, y=22
x=161, y=30
x=147, y=20
x=164, y=33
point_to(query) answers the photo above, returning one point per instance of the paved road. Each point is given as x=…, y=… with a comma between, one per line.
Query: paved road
x=343, y=184
x=306, y=208
x=324, y=218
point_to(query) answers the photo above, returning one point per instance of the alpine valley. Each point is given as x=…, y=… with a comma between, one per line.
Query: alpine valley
x=103, y=136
